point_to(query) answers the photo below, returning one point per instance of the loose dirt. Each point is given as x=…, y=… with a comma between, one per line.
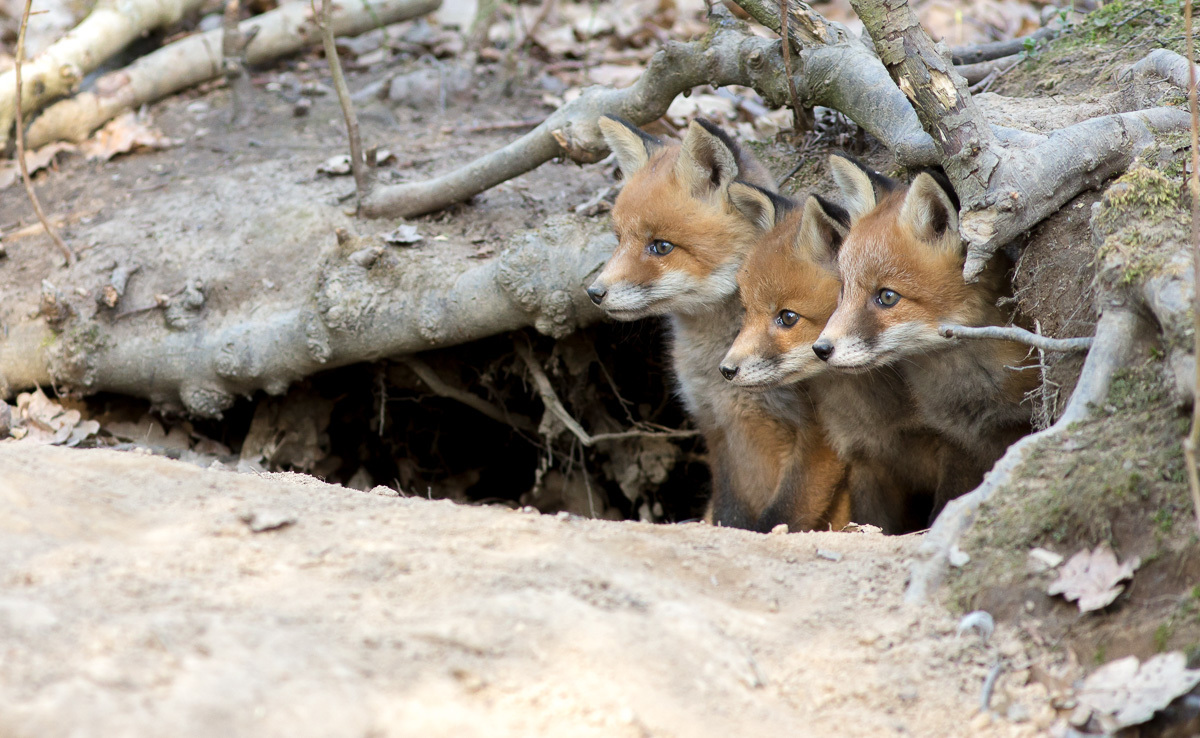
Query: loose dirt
x=136, y=599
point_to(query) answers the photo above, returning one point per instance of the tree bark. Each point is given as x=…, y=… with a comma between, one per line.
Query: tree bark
x=110, y=27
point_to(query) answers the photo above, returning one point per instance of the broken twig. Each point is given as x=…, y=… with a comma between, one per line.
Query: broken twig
x=1193, y=440
x=358, y=164
x=1020, y=335
x=33, y=198
x=555, y=407
x=441, y=388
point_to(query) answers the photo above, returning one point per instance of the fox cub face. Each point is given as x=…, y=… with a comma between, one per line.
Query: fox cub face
x=901, y=268
x=789, y=288
x=680, y=237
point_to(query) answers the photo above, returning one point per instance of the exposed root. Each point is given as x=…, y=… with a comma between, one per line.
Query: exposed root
x=441, y=388
x=198, y=58
x=1115, y=335
x=1015, y=333
x=999, y=49
x=555, y=407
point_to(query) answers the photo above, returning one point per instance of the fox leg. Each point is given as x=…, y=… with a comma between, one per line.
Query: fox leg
x=725, y=507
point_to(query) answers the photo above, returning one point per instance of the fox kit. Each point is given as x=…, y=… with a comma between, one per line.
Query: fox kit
x=901, y=267
x=681, y=240
x=789, y=287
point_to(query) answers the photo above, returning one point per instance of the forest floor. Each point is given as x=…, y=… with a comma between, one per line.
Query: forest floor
x=138, y=599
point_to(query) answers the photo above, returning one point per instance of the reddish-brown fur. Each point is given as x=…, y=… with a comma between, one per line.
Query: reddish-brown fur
x=893, y=461
x=906, y=247
x=680, y=194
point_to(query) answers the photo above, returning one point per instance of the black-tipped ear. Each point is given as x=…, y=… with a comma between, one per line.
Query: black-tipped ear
x=762, y=208
x=930, y=213
x=861, y=186
x=823, y=228
x=706, y=161
x=631, y=144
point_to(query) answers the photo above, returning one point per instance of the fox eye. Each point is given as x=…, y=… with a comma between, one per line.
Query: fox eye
x=659, y=247
x=786, y=318
x=887, y=298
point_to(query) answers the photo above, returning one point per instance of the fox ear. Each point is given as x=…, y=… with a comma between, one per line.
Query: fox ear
x=855, y=184
x=931, y=214
x=631, y=144
x=823, y=227
x=707, y=162
x=757, y=205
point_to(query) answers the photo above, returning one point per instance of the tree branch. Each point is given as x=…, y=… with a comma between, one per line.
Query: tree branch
x=67, y=253
x=441, y=388
x=358, y=164
x=1019, y=335
x=197, y=58
x=1115, y=334
x=110, y=27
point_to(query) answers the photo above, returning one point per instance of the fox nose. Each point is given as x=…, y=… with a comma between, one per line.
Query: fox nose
x=597, y=293
x=729, y=372
x=823, y=349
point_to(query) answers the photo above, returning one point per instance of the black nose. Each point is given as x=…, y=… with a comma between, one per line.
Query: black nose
x=597, y=294
x=729, y=372
x=823, y=349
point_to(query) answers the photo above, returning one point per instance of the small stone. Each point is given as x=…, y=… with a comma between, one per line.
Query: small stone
x=828, y=555
x=957, y=557
x=780, y=529
x=261, y=521
x=981, y=721
x=1017, y=713
x=1080, y=716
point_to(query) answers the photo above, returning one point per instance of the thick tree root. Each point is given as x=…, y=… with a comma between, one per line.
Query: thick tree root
x=198, y=58
x=368, y=302
x=1115, y=335
x=110, y=27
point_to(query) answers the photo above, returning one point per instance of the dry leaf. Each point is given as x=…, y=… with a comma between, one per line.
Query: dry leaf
x=122, y=135
x=1093, y=578
x=404, y=235
x=42, y=420
x=335, y=165
x=35, y=160
x=1122, y=694
x=716, y=107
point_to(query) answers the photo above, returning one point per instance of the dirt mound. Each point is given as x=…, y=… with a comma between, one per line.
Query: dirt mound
x=138, y=599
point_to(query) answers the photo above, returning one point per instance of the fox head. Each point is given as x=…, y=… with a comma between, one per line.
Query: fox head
x=901, y=269
x=681, y=238
x=789, y=287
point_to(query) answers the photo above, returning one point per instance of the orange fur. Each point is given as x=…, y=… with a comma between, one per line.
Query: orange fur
x=868, y=422
x=685, y=195
x=904, y=249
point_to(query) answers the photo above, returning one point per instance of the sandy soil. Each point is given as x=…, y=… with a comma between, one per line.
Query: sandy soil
x=136, y=599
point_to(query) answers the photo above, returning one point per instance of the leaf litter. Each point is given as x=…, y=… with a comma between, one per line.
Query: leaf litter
x=1093, y=579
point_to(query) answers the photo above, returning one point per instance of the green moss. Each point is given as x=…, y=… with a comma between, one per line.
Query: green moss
x=1120, y=470
x=1162, y=635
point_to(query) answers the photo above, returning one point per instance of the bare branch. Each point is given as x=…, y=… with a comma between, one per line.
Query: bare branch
x=233, y=60
x=997, y=49
x=1192, y=442
x=442, y=388
x=33, y=198
x=197, y=58
x=1020, y=335
x=1115, y=334
x=358, y=164
x=555, y=407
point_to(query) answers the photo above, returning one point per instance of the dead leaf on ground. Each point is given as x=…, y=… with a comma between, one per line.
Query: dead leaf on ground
x=335, y=166
x=405, y=235
x=1122, y=694
x=614, y=75
x=124, y=134
x=36, y=161
x=1093, y=578
x=41, y=420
